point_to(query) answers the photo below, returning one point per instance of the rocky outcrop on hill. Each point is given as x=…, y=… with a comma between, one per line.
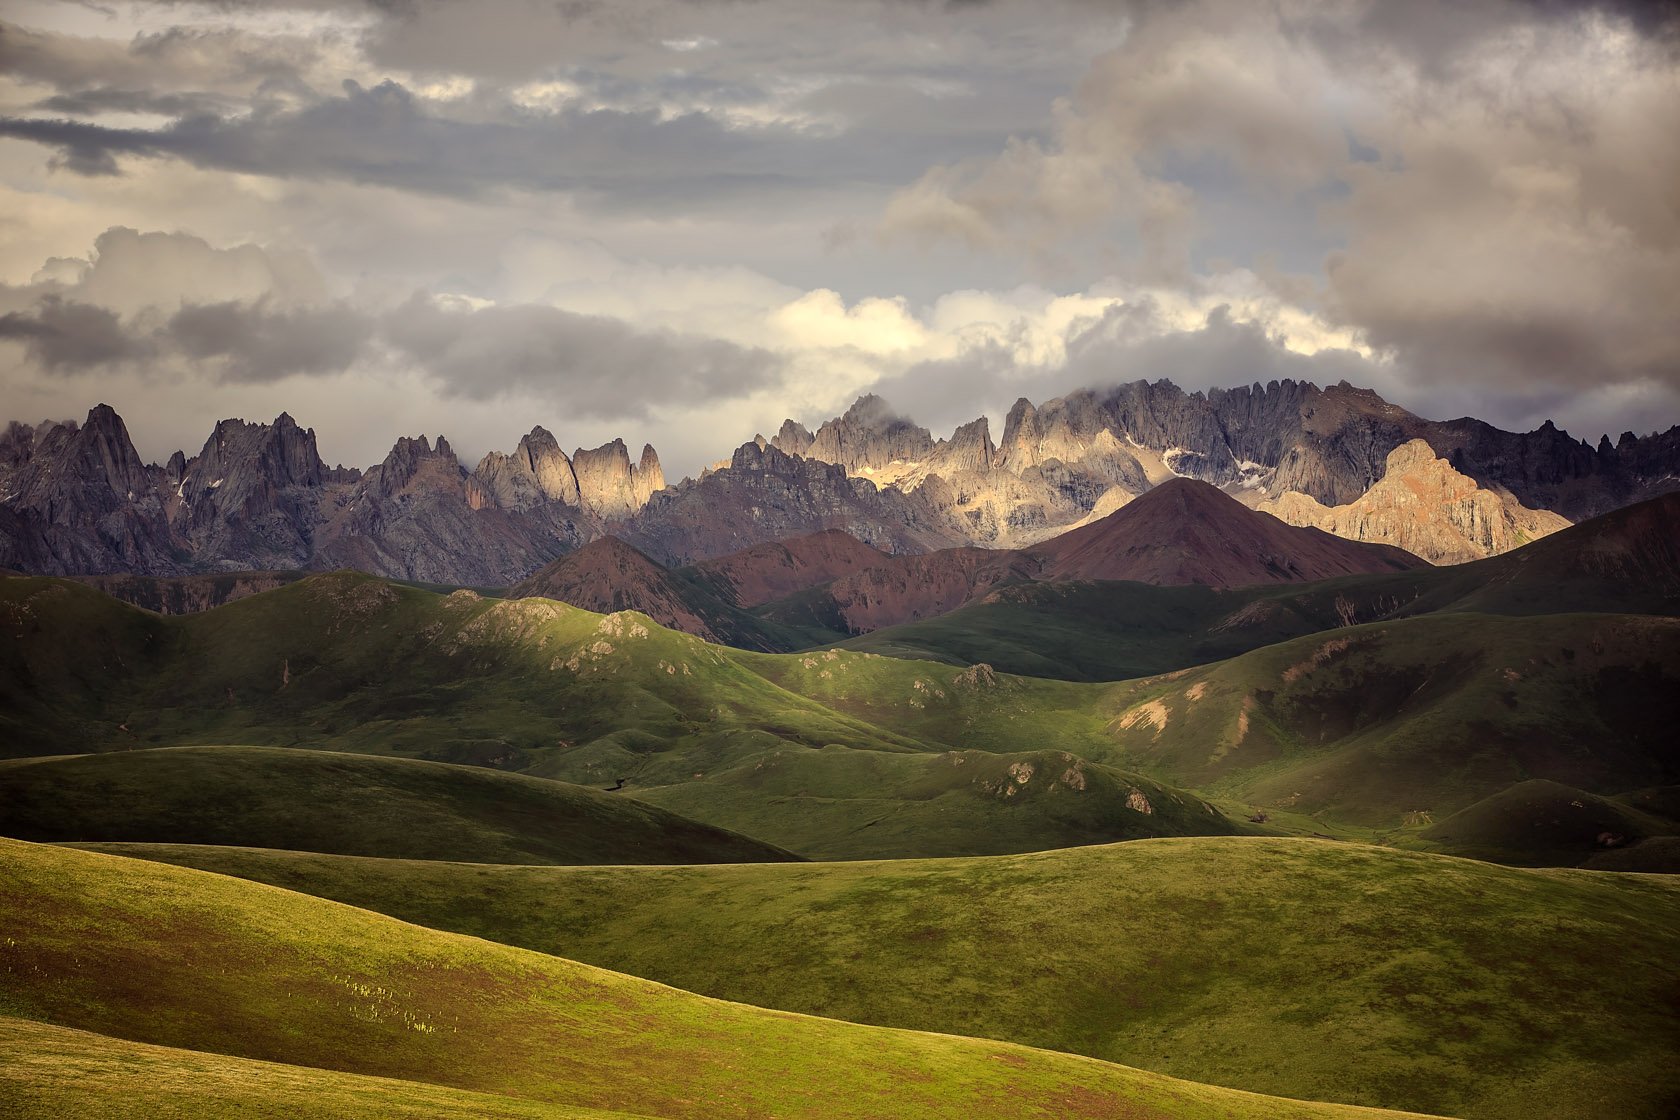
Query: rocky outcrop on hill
x=1425, y=507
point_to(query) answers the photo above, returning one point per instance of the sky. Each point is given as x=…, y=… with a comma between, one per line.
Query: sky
x=680, y=221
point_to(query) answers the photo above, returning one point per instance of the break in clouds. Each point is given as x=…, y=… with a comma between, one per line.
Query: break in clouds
x=681, y=222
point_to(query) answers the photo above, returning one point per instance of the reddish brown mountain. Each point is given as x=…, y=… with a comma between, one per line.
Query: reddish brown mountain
x=1185, y=531
x=775, y=570
x=609, y=575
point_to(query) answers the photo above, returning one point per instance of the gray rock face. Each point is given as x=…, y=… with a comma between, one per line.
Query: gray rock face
x=767, y=495
x=80, y=499
x=868, y=435
x=251, y=497
x=76, y=499
x=1330, y=445
x=537, y=472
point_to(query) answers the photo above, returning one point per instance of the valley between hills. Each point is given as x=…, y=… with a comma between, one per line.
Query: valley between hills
x=1169, y=797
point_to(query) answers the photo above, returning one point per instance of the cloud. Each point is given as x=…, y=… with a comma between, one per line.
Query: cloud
x=256, y=342
x=69, y=336
x=590, y=365
x=158, y=302
x=1499, y=177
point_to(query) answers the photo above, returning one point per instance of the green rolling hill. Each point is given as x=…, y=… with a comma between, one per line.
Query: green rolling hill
x=1410, y=721
x=177, y=958
x=1471, y=989
x=834, y=753
x=349, y=804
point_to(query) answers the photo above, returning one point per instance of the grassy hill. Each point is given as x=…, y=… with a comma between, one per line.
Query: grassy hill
x=178, y=958
x=55, y=1073
x=1410, y=721
x=350, y=804
x=838, y=803
x=351, y=663
x=1471, y=989
x=1545, y=823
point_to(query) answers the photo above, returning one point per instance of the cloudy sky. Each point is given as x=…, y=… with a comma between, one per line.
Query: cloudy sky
x=681, y=220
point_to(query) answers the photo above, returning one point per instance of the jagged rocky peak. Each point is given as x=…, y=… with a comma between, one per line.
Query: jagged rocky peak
x=1019, y=449
x=648, y=476
x=412, y=456
x=1423, y=505
x=793, y=438
x=537, y=472
x=870, y=436
x=240, y=458
x=970, y=448
x=610, y=485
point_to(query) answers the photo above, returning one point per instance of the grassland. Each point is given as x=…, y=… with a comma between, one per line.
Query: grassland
x=1381, y=728
x=178, y=958
x=55, y=1073
x=1392, y=722
x=351, y=663
x=1303, y=968
x=322, y=801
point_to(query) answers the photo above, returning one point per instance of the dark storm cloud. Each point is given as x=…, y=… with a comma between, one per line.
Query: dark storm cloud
x=597, y=367
x=387, y=136
x=65, y=336
x=232, y=342
x=93, y=102
x=251, y=342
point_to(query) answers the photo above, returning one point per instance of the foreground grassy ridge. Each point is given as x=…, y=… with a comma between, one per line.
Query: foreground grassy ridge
x=1416, y=719
x=349, y=804
x=179, y=958
x=54, y=1073
x=1297, y=967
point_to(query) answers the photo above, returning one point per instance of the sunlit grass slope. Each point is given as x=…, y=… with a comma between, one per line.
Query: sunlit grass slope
x=1298, y=967
x=323, y=801
x=55, y=1073
x=179, y=958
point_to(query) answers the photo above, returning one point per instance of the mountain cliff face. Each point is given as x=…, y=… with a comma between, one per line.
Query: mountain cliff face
x=76, y=499
x=1425, y=507
x=765, y=495
x=1059, y=461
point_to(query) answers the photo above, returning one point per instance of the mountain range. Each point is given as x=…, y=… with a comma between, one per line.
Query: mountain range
x=76, y=499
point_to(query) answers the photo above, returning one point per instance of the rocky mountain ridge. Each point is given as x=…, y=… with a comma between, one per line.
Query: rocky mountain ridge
x=1421, y=504
x=1059, y=462
x=76, y=499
